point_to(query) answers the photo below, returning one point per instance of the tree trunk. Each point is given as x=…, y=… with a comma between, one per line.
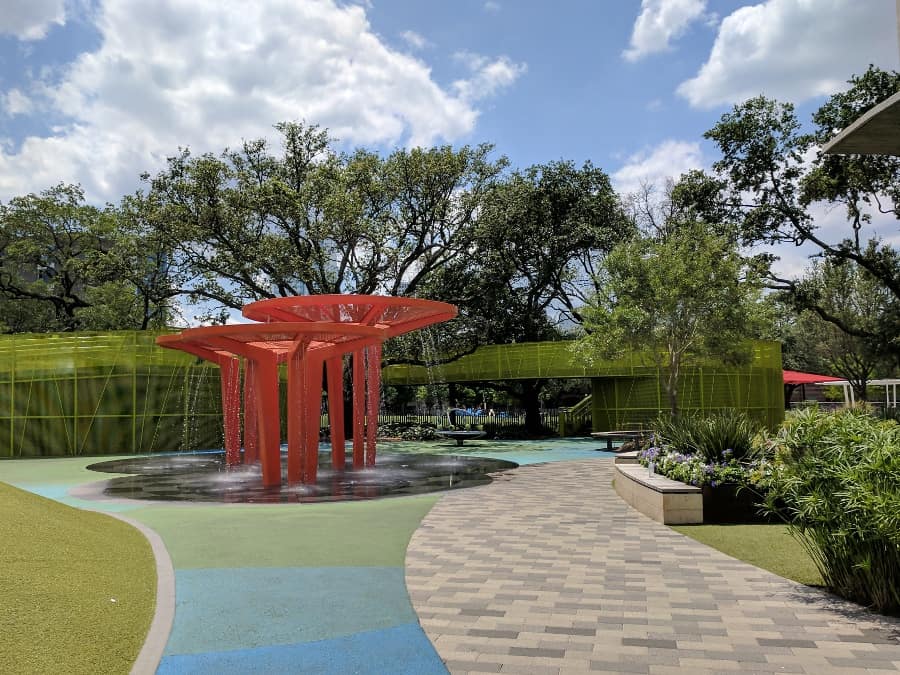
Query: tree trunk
x=532, y=404
x=672, y=394
x=672, y=382
x=788, y=395
x=452, y=395
x=348, y=415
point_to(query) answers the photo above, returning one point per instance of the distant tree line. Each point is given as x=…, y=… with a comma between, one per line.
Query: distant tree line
x=540, y=253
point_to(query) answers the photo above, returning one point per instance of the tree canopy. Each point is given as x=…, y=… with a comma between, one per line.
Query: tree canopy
x=527, y=254
x=66, y=265
x=527, y=268
x=253, y=223
x=673, y=295
x=772, y=180
x=858, y=302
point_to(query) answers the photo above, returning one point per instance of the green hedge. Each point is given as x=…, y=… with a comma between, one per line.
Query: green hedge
x=839, y=489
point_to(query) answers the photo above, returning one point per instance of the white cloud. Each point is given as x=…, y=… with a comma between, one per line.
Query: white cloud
x=208, y=73
x=653, y=166
x=413, y=39
x=14, y=102
x=659, y=22
x=487, y=76
x=492, y=6
x=31, y=19
x=794, y=50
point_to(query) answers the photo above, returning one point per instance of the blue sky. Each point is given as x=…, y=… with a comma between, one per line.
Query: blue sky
x=97, y=91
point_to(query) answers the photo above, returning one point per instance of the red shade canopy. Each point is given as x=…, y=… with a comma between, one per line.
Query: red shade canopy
x=280, y=338
x=306, y=333
x=393, y=315
x=796, y=377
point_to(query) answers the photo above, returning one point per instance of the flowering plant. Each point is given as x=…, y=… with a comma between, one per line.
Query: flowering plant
x=694, y=470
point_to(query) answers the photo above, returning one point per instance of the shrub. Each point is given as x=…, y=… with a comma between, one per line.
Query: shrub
x=408, y=431
x=720, y=436
x=839, y=485
x=694, y=470
x=676, y=433
x=891, y=413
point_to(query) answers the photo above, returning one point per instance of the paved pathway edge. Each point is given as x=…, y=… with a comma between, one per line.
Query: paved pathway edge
x=151, y=653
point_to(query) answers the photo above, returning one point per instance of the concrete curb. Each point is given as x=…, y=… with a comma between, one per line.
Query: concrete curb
x=151, y=653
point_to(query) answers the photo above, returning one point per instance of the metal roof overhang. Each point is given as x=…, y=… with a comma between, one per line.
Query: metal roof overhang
x=876, y=132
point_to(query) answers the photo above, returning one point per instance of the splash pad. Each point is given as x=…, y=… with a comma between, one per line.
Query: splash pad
x=307, y=334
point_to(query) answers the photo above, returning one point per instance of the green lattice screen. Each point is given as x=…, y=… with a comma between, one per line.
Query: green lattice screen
x=550, y=359
x=625, y=402
x=103, y=393
x=626, y=391
x=107, y=393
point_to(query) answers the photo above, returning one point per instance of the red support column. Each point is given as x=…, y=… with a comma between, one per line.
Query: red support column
x=230, y=375
x=312, y=420
x=373, y=385
x=335, y=374
x=251, y=427
x=266, y=387
x=295, y=413
x=359, y=408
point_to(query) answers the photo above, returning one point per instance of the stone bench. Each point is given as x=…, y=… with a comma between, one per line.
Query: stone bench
x=662, y=499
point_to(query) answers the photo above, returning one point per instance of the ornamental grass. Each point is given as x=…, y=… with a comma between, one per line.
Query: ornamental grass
x=838, y=487
x=724, y=447
x=721, y=436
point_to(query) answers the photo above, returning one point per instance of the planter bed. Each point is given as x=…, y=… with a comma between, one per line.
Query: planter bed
x=674, y=503
x=662, y=499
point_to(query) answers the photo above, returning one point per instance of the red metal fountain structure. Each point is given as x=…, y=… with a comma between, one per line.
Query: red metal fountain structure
x=306, y=333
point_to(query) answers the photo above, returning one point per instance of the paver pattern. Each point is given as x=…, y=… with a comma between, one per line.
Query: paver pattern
x=546, y=570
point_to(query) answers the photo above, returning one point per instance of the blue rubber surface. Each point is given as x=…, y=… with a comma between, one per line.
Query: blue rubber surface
x=233, y=608
x=520, y=452
x=60, y=492
x=400, y=650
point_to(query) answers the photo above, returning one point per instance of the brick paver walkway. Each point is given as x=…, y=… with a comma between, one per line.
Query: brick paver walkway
x=546, y=570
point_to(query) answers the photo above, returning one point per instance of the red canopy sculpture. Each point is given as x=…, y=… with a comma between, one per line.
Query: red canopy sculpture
x=305, y=333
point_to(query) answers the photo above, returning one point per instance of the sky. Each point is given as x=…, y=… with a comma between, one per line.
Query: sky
x=97, y=92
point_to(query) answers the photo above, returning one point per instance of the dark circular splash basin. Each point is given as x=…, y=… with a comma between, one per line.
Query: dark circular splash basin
x=204, y=477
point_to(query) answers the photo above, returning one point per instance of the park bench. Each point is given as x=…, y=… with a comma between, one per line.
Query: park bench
x=622, y=435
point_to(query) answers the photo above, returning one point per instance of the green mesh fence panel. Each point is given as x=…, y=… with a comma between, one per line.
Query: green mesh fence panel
x=108, y=393
x=627, y=391
x=104, y=393
x=622, y=403
x=550, y=359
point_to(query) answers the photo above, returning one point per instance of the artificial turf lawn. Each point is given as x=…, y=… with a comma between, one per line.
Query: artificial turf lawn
x=770, y=547
x=77, y=588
